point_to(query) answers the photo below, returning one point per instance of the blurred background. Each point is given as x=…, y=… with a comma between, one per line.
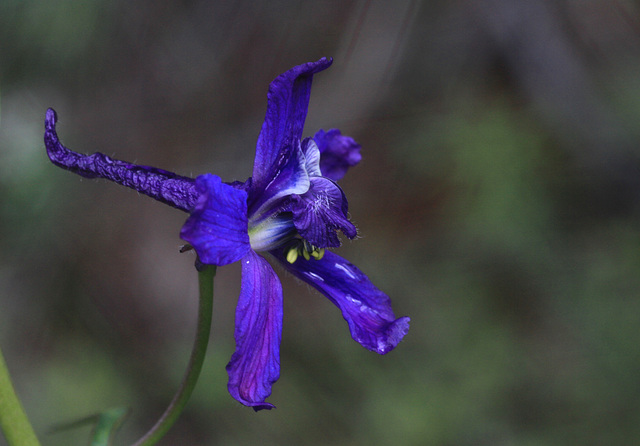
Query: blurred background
x=498, y=204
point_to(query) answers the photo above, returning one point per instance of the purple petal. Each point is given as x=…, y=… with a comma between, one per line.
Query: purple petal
x=338, y=153
x=218, y=228
x=288, y=100
x=320, y=212
x=272, y=232
x=312, y=157
x=255, y=365
x=167, y=187
x=290, y=177
x=366, y=309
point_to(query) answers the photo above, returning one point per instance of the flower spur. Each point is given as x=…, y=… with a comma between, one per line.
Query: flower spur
x=291, y=207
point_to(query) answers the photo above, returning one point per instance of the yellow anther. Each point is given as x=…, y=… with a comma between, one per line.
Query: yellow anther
x=304, y=248
x=292, y=255
x=317, y=253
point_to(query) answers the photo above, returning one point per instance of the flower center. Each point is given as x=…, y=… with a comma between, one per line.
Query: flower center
x=272, y=232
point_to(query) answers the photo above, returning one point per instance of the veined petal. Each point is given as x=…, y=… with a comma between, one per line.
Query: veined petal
x=167, y=187
x=289, y=177
x=320, y=212
x=218, y=228
x=312, y=157
x=337, y=153
x=255, y=365
x=366, y=309
x=272, y=232
x=287, y=103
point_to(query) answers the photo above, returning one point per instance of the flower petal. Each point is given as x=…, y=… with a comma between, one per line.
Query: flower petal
x=290, y=177
x=166, y=187
x=338, y=153
x=255, y=365
x=320, y=212
x=272, y=232
x=218, y=228
x=288, y=100
x=312, y=157
x=366, y=309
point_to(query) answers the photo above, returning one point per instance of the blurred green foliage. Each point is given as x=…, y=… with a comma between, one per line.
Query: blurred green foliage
x=497, y=202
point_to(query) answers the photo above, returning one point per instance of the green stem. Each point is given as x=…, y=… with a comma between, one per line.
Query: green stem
x=162, y=426
x=13, y=420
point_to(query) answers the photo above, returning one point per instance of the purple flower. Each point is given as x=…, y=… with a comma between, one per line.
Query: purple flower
x=291, y=207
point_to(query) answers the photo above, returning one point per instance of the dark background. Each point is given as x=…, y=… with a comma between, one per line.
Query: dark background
x=497, y=203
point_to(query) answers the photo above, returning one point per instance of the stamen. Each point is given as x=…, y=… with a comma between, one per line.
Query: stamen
x=307, y=246
x=318, y=253
x=292, y=255
x=305, y=249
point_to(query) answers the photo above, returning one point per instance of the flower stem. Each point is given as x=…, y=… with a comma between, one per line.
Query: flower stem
x=206, y=274
x=13, y=420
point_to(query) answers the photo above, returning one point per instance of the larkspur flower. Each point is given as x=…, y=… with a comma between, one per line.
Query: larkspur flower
x=291, y=207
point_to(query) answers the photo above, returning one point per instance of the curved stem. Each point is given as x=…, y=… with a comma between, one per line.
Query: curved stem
x=13, y=420
x=162, y=426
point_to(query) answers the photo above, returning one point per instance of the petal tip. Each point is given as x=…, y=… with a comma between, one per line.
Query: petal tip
x=255, y=405
x=51, y=117
x=326, y=60
x=394, y=333
x=263, y=406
